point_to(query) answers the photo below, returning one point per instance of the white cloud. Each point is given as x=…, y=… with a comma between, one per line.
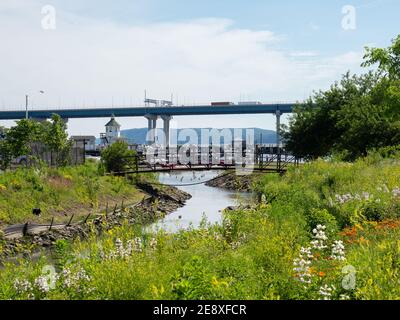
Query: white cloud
x=86, y=61
x=305, y=54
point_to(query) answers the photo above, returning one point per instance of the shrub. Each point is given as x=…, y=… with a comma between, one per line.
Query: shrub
x=117, y=157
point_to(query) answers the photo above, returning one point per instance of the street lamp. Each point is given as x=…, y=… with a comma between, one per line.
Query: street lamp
x=27, y=102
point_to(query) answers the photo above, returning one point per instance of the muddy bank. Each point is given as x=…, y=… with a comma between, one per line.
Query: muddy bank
x=231, y=181
x=158, y=202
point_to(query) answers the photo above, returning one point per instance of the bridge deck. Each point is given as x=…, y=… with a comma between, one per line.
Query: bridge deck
x=142, y=111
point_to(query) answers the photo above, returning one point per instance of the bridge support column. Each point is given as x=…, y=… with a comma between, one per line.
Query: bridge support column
x=151, y=128
x=166, y=127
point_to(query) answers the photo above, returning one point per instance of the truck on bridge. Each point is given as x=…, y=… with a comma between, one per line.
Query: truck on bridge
x=216, y=104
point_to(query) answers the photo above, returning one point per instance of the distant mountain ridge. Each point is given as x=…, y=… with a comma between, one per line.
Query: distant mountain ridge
x=138, y=135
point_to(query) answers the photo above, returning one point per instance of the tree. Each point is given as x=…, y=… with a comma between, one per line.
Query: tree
x=117, y=157
x=313, y=130
x=388, y=59
x=5, y=150
x=55, y=137
x=355, y=115
x=21, y=137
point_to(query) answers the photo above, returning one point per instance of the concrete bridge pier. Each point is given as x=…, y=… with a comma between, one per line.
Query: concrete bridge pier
x=278, y=127
x=166, y=127
x=151, y=127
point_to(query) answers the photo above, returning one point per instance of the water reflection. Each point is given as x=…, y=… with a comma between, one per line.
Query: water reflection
x=205, y=202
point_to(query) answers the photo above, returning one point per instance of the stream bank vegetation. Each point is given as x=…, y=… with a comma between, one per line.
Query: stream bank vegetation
x=60, y=192
x=326, y=230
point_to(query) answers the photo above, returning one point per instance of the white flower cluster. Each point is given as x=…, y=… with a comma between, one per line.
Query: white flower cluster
x=319, y=238
x=123, y=251
x=138, y=244
x=73, y=280
x=338, y=252
x=42, y=283
x=22, y=286
x=326, y=291
x=342, y=199
x=302, y=265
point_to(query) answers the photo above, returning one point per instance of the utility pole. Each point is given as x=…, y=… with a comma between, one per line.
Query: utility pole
x=26, y=106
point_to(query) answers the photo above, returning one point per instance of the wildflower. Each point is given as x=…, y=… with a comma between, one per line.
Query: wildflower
x=342, y=199
x=81, y=275
x=396, y=192
x=302, y=265
x=42, y=284
x=67, y=280
x=326, y=291
x=129, y=248
x=319, y=238
x=138, y=244
x=22, y=286
x=74, y=280
x=119, y=246
x=153, y=243
x=344, y=297
x=366, y=196
x=338, y=252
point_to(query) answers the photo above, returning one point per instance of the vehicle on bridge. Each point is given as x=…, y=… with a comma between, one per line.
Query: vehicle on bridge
x=216, y=104
x=249, y=103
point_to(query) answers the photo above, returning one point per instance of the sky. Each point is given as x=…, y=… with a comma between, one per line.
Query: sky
x=108, y=52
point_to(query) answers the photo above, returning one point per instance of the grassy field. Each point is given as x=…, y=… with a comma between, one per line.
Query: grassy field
x=60, y=193
x=323, y=231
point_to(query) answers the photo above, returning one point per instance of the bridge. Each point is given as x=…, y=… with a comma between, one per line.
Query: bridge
x=141, y=111
x=153, y=113
x=271, y=159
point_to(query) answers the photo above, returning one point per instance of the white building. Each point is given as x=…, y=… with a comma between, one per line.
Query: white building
x=113, y=131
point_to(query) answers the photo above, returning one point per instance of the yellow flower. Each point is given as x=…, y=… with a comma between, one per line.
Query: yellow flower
x=216, y=283
x=157, y=291
x=359, y=226
x=67, y=177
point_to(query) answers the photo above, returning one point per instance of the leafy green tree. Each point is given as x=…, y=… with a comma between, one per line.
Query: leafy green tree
x=388, y=59
x=357, y=114
x=21, y=137
x=55, y=137
x=313, y=130
x=5, y=154
x=117, y=157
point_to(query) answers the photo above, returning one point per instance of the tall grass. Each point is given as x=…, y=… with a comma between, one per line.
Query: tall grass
x=59, y=192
